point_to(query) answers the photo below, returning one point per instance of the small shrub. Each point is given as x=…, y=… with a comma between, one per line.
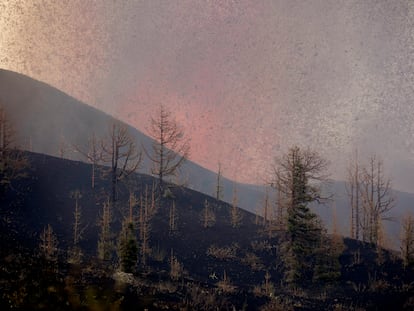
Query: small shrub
x=225, y=285
x=253, y=261
x=223, y=253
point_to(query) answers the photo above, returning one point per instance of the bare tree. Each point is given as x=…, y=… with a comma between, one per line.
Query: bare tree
x=219, y=184
x=377, y=199
x=353, y=187
x=173, y=218
x=236, y=216
x=105, y=243
x=265, y=213
x=281, y=216
x=312, y=167
x=146, y=211
x=76, y=195
x=75, y=252
x=133, y=202
x=407, y=240
x=208, y=218
x=121, y=152
x=48, y=243
x=170, y=148
x=93, y=154
x=175, y=267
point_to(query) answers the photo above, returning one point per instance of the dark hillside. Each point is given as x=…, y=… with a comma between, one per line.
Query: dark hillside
x=49, y=121
x=220, y=266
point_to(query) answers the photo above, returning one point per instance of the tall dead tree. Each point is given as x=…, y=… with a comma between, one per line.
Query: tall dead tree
x=75, y=252
x=105, y=242
x=265, y=213
x=280, y=202
x=146, y=211
x=377, y=199
x=219, y=185
x=173, y=218
x=76, y=195
x=236, y=216
x=170, y=148
x=120, y=151
x=353, y=187
x=93, y=154
x=133, y=202
x=208, y=217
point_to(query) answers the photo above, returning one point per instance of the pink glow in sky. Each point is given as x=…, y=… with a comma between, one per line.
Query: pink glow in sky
x=247, y=79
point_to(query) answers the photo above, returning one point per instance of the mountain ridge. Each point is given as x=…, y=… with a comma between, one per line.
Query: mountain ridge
x=67, y=121
x=54, y=120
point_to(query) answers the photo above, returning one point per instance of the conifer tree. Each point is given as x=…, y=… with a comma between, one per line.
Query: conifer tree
x=296, y=173
x=128, y=247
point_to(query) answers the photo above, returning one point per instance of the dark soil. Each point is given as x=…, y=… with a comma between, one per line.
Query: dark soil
x=222, y=267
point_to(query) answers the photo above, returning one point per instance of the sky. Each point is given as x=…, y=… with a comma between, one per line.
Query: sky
x=245, y=79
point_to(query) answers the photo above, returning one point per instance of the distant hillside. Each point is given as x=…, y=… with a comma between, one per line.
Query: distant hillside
x=49, y=121
x=338, y=209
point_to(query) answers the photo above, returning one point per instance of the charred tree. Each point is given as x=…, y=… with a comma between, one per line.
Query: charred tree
x=93, y=154
x=170, y=148
x=120, y=151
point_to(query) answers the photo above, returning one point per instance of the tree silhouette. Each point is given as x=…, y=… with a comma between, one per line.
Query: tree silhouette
x=120, y=151
x=296, y=173
x=128, y=246
x=170, y=148
x=377, y=199
x=93, y=154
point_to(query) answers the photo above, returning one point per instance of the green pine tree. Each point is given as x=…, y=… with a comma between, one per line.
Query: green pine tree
x=128, y=247
x=296, y=174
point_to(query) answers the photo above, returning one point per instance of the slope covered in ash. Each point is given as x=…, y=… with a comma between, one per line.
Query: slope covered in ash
x=218, y=264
